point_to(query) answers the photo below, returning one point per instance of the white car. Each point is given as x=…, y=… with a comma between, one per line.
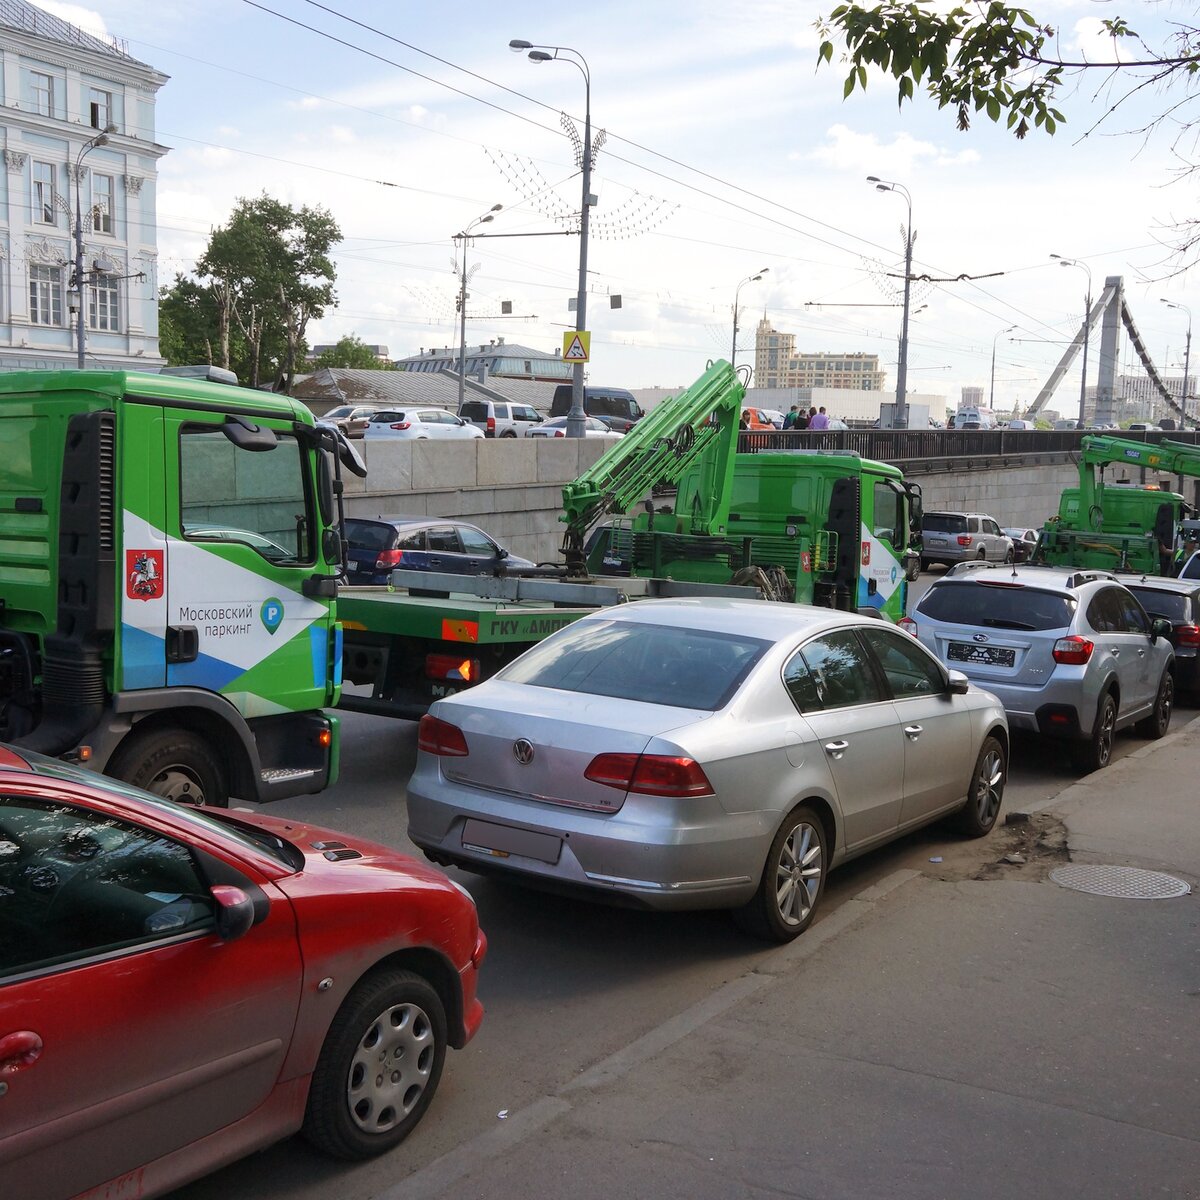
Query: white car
x=418, y=423
x=557, y=427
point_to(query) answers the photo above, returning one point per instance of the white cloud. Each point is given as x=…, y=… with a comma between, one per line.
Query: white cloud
x=86, y=19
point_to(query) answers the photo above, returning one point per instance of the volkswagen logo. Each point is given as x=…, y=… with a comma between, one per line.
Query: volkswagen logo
x=523, y=751
x=979, y=637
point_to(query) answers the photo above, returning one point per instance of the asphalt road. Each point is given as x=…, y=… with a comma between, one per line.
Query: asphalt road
x=567, y=983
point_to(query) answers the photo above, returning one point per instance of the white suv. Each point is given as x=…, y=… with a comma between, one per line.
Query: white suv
x=500, y=418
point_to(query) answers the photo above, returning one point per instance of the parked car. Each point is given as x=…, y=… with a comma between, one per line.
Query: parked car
x=773, y=415
x=418, y=423
x=557, y=427
x=353, y=418
x=499, y=418
x=705, y=753
x=1070, y=654
x=1178, y=602
x=1020, y=424
x=954, y=537
x=616, y=407
x=378, y=546
x=182, y=986
x=756, y=419
x=1024, y=542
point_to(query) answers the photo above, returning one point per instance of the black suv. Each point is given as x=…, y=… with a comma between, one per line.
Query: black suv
x=616, y=407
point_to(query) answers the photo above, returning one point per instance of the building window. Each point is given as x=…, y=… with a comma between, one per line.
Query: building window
x=45, y=295
x=102, y=306
x=43, y=93
x=100, y=108
x=102, y=204
x=44, y=194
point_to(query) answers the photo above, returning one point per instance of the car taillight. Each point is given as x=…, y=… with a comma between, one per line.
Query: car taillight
x=1073, y=651
x=491, y=425
x=908, y=625
x=401, y=425
x=439, y=737
x=560, y=433
x=452, y=666
x=389, y=558
x=964, y=539
x=650, y=774
x=1187, y=635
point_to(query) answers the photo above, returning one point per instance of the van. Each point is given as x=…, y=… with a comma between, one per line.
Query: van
x=616, y=407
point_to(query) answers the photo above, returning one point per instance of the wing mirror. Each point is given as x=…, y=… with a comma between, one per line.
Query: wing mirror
x=957, y=684
x=1159, y=627
x=235, y=911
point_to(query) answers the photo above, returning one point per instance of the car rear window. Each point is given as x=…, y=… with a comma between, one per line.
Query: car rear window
x=369, y=535
x=1172, y=605
x=473, y=410
x=1004, y=607
x=944, y=522
x=682, y=668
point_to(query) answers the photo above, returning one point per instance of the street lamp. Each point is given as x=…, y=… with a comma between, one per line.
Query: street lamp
x=884, y=185
x=100, y=139
x=576, y=418
x=1087, y=331
x=992, y=389
x=1187, y=358
x=736, y=293
x=462, y=297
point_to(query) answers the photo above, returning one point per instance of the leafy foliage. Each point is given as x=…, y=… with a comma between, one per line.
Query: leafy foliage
x=350, y=351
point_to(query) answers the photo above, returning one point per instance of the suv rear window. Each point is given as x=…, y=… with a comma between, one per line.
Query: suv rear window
x=369, y=535
x=944, y=522
x=473, y=410
x=1007, y=607
x=1172, y=605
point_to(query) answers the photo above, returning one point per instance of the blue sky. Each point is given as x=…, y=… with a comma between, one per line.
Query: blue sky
x=727, y=152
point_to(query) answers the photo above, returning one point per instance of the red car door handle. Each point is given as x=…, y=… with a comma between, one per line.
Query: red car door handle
x=19, y=1050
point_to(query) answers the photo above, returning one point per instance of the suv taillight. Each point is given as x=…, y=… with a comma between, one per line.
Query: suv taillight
x=964, y=539
x=908, y=625
x=650, y=774
x=439, y=737
x=491, y=426
x=1073, y=651
x=1187, y=635
x=401, y=425
x=389, y=558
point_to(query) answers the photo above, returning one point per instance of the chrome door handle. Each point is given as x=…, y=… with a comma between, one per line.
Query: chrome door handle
x=1141, y=654
x=836, y=749
x=912, y=732
x=1114, y=652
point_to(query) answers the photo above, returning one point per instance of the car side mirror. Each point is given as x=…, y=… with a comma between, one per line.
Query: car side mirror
x=235, y=911
x=1159, y=627
x=957, y=684
x=501, y=552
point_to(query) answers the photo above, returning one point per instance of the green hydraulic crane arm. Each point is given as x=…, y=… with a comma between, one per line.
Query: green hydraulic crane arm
x=1172, y=458
x=701, y=422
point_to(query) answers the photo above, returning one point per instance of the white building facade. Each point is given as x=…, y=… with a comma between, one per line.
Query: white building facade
x=62, y=89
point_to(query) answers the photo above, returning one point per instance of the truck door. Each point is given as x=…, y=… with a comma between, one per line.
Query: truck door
x=242, y=540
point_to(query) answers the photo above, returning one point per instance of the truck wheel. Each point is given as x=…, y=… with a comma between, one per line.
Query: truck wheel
x=379, y=1066
x=175, y=764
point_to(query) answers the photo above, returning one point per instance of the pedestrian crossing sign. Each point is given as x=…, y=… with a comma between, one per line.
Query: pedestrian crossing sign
x=576, y=346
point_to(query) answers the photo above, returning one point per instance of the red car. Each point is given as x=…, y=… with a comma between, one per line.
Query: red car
x=180, y=987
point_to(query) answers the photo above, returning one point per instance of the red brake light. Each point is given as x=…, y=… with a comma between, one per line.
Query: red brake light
x=439, y=737
x=1187, y=635
x=650, y=774
x=401, y=425
x=1073, y=651
x=491, y=424
x=389, y=558
x=908, y=625
x=559, y=433
x=964, y=539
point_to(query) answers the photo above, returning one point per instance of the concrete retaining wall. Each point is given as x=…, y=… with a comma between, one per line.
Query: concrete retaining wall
x=513, y=488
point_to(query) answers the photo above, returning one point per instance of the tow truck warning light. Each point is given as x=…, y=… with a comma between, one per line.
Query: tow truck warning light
x=452, y=666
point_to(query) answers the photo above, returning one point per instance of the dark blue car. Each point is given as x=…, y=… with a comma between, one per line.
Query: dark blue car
x=379, y=545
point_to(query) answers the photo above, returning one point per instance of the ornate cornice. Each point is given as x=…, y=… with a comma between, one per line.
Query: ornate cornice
x=43, y=250
x=133, y=183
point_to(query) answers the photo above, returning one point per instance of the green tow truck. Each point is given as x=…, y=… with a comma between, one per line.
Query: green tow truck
x=171, y=611
x=1118, y=526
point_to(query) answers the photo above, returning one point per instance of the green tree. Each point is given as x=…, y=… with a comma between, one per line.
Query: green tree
x=350, y=351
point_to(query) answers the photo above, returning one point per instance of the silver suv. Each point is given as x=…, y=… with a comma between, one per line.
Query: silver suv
x=500, y=418
x=954, y=537
x=1071, y=654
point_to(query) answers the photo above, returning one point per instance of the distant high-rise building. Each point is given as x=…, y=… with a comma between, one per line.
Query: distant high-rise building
x=778, y=365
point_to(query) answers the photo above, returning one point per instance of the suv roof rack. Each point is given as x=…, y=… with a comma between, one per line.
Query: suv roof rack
x=1079, y=578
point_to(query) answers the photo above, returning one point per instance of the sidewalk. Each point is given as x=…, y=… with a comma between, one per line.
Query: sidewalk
x=985, y=1039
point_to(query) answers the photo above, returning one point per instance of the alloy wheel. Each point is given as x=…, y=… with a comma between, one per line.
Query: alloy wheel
x=798, y=874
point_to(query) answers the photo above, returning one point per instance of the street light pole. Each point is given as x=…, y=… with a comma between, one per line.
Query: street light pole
x=462, y=297
x=100, y=139
x=884, y=185
x=1087, y=332
x=737, y=292
x=992, y=388
x=576, y=418
x=1187, y=358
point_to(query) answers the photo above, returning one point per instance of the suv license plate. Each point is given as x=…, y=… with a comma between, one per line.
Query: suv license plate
x=988, y=656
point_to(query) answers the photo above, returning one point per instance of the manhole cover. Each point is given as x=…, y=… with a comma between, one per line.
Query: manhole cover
x=1128, y=883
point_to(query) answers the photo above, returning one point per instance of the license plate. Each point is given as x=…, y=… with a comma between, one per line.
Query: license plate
x=935, y=541
x=500, y=841
x=987, y=656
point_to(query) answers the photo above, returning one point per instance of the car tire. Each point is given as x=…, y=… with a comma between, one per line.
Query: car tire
x=1096, y=753
x=977, y=817
x=1010, y=556
x=793, y=880
x=924, y=564
x=1159, y=720
x=173, y=763
x=982, y=555
x=379, y=1066
x=508, y=433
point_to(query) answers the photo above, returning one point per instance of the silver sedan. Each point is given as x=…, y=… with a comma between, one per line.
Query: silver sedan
x=705, y=754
